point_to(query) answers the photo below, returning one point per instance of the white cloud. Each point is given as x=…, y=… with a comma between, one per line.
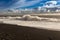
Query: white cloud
x=23, y=3
x=51, y=4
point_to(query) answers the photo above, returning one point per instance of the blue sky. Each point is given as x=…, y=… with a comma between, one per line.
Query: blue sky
x=18, y=4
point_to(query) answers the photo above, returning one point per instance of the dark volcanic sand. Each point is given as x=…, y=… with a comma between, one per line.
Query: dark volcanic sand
x=14, y=32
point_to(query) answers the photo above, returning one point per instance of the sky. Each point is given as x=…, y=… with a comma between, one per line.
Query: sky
x=21, y=4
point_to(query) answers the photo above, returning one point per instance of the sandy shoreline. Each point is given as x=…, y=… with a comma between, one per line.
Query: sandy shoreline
x=35, y=24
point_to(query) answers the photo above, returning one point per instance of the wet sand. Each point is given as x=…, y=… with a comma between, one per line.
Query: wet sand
x=14, y=32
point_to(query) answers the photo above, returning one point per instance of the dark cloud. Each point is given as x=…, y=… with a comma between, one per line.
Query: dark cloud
x=6, y=3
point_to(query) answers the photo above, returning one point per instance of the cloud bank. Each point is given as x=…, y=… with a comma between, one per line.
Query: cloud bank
x=13, y=4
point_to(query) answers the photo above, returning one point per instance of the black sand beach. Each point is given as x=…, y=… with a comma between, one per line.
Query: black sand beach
x=14, y=32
